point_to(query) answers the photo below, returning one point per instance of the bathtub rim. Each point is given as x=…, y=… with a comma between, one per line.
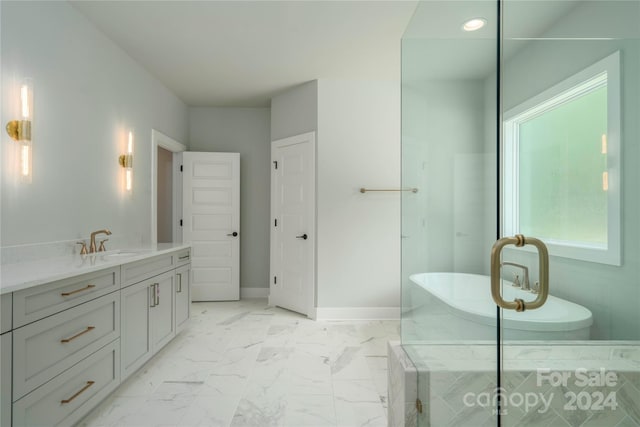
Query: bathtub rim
x=510, y=319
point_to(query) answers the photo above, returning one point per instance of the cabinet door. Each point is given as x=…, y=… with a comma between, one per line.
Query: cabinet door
x=183, y=297
x=5, y=373
x=135, y=306
x=163, y=325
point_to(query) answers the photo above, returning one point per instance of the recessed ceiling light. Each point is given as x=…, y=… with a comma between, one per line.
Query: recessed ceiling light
x=474, y=24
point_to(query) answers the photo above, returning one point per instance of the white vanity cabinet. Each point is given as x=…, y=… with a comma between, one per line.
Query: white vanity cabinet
x=38, y=302
x=147, y=317
x=65, y=363
x=163, y=322
x=46, y=348
x=67, y=398
x=153, y=307
x=136, y=272
x=135, y=316
x=67, y=344
x=5, y=383
x=6, y=317
x=183, y=296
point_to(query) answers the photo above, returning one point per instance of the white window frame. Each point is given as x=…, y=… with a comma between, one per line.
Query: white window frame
x=605, y=71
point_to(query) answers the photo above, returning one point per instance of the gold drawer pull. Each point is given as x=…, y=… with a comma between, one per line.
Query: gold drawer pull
x=66, y=294
x=82, y=390
x=184, y=257
x=66, y=340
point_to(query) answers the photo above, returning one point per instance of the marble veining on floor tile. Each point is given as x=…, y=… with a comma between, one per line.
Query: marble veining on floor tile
x=245, y=364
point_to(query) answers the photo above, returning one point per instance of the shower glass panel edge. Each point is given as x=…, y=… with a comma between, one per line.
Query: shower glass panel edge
x=449, y=115
x=570, y=85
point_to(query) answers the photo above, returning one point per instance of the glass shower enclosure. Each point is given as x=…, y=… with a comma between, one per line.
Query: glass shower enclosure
x=521, y=239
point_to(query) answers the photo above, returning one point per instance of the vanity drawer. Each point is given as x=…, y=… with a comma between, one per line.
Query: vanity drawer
x=35, y=303
x=71, y=395
x=44, y=349
x=183, y=257
x=5, y=313
x=138, y=271
x=5, y=384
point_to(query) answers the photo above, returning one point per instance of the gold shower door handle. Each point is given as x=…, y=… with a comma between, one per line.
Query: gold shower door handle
x=543, y=262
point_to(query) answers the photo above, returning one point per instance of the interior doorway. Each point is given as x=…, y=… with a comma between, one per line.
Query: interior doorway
x=165, y=196
x=293, y=207
x=166, y=188
x=211, y=223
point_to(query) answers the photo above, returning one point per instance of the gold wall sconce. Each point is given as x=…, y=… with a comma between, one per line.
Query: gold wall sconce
x=126, y=161
x=20, y=130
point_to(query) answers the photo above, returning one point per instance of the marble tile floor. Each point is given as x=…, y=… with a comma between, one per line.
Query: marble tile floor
x=246, y=364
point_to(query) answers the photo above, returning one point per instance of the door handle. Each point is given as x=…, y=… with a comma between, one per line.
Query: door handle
x=303, y=237
x=152, y=295
x=154, y=290
x=234, y=234
x=543, y=261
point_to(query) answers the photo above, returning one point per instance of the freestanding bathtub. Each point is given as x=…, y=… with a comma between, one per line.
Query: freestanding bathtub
x=463, y=302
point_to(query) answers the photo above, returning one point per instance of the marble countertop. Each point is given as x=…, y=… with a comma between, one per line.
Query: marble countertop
x=23, y=275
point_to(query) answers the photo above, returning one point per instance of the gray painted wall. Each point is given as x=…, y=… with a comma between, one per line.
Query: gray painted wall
x=443, y=157
x=244, y=131
x=295, y=111
x=358, y=246
x=358, y=145
x=88, y=95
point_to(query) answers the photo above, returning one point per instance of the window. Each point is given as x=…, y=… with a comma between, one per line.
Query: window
x=561, y=164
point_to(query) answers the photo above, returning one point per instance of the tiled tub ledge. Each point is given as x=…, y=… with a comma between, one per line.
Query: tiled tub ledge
x=402, y=387
x=543, y=384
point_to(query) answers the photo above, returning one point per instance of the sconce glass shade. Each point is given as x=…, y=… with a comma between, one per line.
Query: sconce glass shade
x=126, y=161
x=25, y=160
x=20, y=131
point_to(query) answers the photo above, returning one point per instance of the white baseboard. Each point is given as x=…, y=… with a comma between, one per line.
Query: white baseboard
x=357, y=313
x=251, y=293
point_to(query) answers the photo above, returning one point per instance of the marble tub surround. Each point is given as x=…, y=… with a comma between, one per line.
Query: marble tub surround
x=448, y=373
x=402, y=385
x=24, y=274
x=246, y=364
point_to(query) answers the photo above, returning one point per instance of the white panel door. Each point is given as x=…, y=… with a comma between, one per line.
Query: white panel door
x=293, y=223
x=211, y=223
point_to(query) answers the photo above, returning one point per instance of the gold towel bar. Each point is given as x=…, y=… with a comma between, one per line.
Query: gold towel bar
x=413, y=190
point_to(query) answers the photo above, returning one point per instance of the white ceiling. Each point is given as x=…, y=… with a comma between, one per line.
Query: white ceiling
x=242, y=53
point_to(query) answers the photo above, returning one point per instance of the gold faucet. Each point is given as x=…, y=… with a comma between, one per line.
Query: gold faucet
x=525, y=280
x=92, y=245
